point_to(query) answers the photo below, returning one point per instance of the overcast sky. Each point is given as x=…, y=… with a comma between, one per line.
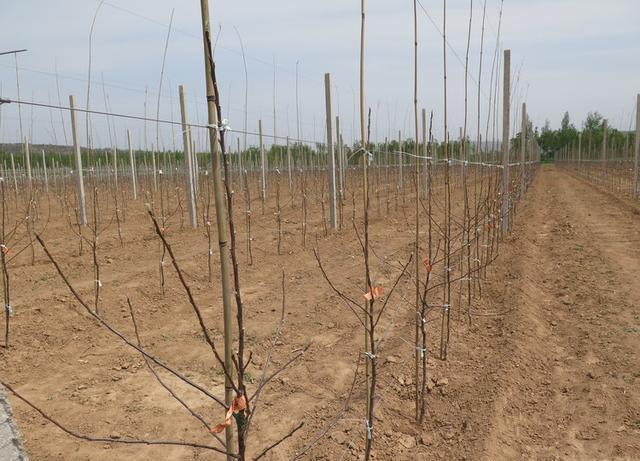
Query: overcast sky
x=567, y=55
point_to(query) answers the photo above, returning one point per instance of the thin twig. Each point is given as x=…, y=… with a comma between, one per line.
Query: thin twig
x=91, y=438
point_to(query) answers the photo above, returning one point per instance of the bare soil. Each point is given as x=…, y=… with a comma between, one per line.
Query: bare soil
x=548, y=369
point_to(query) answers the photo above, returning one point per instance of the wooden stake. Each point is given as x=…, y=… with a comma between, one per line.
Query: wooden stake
x=340, y=158
x=523, y=139
x=289, y=164
x=27, y=157
x=132, y=161
x=637, y=152
x=400, y=161
x=605, y=127
x=331, y=160
x=579, y=148
x=221, y=223
x=15, y=177
x=114, y=151
x=262, y=166
x=424, y=153
x=44, y=168
x=504, y=214
x=78, y=162
x=191, y=199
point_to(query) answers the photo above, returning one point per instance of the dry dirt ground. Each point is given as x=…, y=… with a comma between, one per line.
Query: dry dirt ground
x=548, y=370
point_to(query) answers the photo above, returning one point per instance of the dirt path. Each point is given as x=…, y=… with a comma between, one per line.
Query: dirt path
x=570, y=377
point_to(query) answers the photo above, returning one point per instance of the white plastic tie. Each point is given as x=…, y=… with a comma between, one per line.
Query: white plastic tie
x=370, y=355
x=222, y=126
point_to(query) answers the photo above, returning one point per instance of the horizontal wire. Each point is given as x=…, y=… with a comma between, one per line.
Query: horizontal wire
x=147, y=119
x=149, y=89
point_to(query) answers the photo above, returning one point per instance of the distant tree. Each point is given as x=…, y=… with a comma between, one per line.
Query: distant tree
x=593, y=122
x=552, y=141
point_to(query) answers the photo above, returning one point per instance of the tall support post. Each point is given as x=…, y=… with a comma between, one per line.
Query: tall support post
x=194, y=162
x=44, y=167
x=605, y=129
x=340, y=157
x=637, y=152
x=221, y=224
x=523, y=144
x=132, y=162
x=418, y=354
x=78, y=159
x=188, y=158
x=262, y=164
x=154, y=165
x=240, y=167
x=345, y=163
x=579, y=148
x=400, y=161
x=15, y=176
x=27, y=157
x=114, y=151
x=505, y=141
x=331, y=160
x=425, y=169
x=289, y=164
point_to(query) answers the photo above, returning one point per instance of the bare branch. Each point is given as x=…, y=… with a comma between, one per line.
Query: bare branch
x=127, y=341
x=129, y=441
x=282, y=439
x=192, y=301
x=163, y=384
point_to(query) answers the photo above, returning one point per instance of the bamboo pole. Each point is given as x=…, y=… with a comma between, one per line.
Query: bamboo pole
x=132, y=161
x=44, y=168
x=15, y=177
x=114, y=151
x=400, y=161
x=579, y=148
x=27, y=157
x=418, y=353
x=424, y=153
x=262, y=166
x=637, y=150
x=239, y=156
x=194, y=163
x=188, y=158
x=605, y=127
x=78, y=162
x=221, y=224
x=505, y=140
x=340, y=157
x=289, y=164
x=523, y=138
x=331, y=160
